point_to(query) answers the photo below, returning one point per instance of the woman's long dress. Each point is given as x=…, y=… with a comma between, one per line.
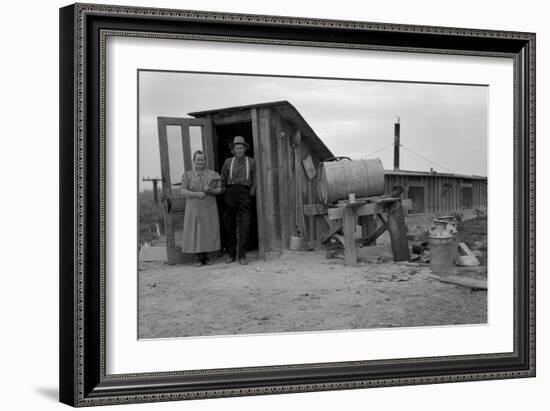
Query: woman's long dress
x=201, y=225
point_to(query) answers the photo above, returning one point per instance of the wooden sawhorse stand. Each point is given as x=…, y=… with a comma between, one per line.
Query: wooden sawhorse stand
x=394, y=211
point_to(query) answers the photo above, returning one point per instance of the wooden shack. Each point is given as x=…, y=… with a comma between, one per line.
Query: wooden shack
x=287, y=153
x=438, y=193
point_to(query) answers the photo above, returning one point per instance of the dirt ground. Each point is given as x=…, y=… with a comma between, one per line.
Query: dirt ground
x=306, y=291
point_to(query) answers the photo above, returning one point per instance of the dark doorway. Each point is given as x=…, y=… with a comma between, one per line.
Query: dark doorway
x=225, y=135
x=467, y=197
x=417, y=195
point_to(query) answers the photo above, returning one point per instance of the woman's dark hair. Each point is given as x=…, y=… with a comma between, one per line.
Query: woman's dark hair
x=196, y=153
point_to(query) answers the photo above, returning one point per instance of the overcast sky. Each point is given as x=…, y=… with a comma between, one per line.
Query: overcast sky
x=446, y=124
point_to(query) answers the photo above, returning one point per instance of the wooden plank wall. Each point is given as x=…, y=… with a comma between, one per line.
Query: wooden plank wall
x=292, y=222
x=479, y=188
x=285, y=187
x=281, y=175
x=314, y=226
x=288, y=178
x=273, y=149
x=267, y=181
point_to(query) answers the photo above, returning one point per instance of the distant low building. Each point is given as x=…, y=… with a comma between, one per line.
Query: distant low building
x=438, y=193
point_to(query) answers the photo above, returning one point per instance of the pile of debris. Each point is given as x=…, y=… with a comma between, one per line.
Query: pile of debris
x=443, y=227
x=420, y=253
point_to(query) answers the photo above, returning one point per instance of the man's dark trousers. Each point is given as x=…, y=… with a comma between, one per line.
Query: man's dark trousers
x=238, y=204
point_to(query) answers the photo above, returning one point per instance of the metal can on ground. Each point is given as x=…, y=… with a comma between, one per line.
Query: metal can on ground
x=442, y=254
x=443, y=246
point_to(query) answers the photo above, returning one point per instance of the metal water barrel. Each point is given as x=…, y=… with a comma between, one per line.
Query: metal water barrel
x=337, y=179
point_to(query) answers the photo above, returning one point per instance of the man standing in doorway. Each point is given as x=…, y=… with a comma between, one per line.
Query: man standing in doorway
x=238, y=181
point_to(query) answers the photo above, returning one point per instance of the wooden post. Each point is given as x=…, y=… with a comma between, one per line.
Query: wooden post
x=171, y=251
x=186, y=145
x=155, y=182
x=270, y=237
x=398, y=231
x=396, y=144
x=284, y=213
x=155, y=191
x=298, y=175
x=368, y=227
x=256, y=138
x=310, y=233
x=349, y=221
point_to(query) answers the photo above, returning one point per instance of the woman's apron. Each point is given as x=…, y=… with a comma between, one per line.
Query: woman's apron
x=201, y=226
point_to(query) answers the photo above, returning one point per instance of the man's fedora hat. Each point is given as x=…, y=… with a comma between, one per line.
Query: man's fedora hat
x=238, y=140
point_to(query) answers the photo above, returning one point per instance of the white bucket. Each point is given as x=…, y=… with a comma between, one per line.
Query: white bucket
x=297, y=242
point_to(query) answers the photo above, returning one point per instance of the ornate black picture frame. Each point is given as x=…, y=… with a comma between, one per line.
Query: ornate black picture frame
x=83, y=379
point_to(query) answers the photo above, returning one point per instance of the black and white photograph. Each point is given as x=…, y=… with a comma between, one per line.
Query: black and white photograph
x=262, y=206
x=286, y=204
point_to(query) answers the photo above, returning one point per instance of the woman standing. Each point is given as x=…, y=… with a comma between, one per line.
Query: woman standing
x=201, y=226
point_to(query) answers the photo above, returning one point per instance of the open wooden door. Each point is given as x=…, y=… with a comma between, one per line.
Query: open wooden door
x=179, y=138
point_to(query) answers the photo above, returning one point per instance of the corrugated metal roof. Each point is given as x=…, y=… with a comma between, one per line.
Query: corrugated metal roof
x=290, y=114
x=431, y=174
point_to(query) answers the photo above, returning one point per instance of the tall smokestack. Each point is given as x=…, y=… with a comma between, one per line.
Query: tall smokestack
x=396, y=143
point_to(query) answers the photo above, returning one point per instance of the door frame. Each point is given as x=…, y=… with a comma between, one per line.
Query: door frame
x=171, y=202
